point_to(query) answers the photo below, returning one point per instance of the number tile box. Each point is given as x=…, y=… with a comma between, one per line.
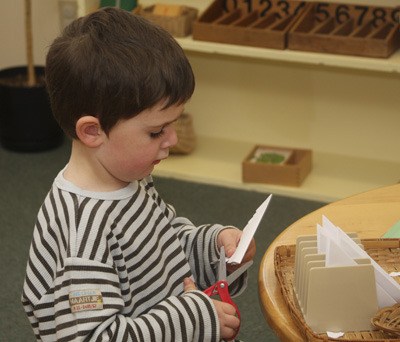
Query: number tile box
x=292, y=172
x=347, y=29
x=178, y=26
x=252, y=23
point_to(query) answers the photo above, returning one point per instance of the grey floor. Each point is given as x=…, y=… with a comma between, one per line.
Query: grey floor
x=26, y=178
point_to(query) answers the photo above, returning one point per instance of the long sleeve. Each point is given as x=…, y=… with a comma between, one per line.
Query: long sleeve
x=89, y=305
x=109, y=266
x=200, y=246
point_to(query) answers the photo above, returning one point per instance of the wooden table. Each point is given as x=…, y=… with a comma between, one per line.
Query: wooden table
x=369, y=214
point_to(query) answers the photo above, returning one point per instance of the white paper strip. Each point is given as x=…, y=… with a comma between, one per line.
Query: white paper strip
x=248, y=233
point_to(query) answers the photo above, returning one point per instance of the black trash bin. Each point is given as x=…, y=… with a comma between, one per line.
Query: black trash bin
x=26, y=121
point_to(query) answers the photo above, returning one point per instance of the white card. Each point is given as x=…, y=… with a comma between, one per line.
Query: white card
x=388, y=290
x=248, y=233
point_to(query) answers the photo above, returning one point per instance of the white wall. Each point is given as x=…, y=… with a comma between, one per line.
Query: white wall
x=12, y=30
x=45, y=28
x=331, y=110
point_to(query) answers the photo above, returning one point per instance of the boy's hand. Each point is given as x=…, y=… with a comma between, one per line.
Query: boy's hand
x=229, y=238
x=229, y=323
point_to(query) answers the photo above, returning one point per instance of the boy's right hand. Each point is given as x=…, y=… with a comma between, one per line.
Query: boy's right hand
x=228, y=321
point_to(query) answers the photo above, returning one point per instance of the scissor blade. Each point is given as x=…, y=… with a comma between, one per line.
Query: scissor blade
x=236, y=274
x=222, y=264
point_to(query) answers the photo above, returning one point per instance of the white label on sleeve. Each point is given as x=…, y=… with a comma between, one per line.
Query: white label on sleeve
x=85, y=300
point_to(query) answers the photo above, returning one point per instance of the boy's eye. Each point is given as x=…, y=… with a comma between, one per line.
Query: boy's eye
x=157, y=134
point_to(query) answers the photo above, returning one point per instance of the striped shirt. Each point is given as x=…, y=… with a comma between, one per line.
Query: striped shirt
x=110, y=266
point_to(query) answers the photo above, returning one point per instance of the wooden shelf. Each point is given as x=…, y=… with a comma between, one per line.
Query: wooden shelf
x=383, y=3
x=333, y=177
x=387, y=65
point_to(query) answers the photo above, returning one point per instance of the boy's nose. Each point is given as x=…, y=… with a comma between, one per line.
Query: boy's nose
x=171, y=138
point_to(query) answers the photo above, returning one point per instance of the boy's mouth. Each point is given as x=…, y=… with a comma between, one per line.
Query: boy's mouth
x=160, y=160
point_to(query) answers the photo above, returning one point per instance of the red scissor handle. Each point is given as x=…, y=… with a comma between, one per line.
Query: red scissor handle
x=220, y=288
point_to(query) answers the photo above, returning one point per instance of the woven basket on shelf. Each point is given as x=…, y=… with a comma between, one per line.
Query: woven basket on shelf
x=386, y=252
x=186, y=135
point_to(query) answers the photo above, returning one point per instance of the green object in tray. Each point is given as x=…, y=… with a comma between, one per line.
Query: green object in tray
x=270, y=158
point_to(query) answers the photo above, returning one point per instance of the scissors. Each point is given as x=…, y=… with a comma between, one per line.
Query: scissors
x=220, y=288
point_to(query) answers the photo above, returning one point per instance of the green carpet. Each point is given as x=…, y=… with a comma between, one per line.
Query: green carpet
x=26, y=178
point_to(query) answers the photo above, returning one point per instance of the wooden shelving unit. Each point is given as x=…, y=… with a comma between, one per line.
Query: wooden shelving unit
x=385, y=3
x=389, y=65
x=345, y=108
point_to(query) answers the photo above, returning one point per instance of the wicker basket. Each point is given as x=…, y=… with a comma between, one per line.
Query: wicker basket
x=388, y=319
x=186, y=135
x=386, y=252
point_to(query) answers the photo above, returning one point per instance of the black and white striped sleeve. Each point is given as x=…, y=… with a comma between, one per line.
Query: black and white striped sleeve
x=200, y=246
x=189, y=317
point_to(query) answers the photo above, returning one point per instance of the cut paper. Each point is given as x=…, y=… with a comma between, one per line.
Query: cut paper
x=248, y=233
x=388, y=290
x=337, y=285
x=334, y=334
x=336, y=256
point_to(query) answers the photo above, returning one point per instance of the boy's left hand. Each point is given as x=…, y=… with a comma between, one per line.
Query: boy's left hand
x=229, y=238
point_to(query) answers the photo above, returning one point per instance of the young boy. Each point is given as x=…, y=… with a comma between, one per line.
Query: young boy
x=110, y=260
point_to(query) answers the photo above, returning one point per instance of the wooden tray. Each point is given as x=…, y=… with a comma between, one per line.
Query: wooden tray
x=292, y=173
x=253, y=23
x=386, y=252
x=347, y=29
x=179, y=26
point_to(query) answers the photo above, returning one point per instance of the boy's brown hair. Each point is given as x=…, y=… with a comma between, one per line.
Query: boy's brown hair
x=112, y=64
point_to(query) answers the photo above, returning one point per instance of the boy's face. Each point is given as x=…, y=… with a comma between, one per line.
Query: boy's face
x=134, y=146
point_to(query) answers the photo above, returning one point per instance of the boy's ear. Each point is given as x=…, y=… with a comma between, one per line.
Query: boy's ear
x=89, y=131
